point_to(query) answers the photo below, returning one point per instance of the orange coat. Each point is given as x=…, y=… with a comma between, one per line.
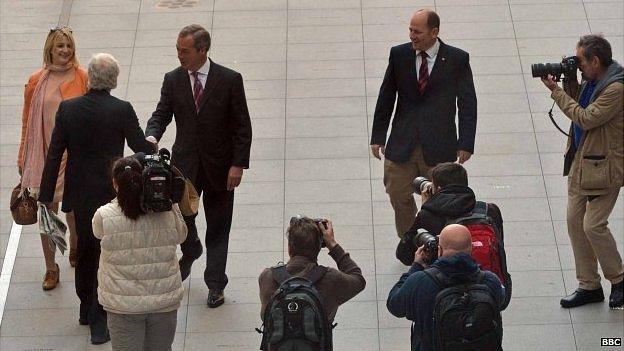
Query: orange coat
x=75, y=88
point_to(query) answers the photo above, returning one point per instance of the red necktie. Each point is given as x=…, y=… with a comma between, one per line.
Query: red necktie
x=198, y=90
x=423, y=73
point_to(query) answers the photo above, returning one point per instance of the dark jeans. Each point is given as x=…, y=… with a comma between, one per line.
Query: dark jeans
x=218, y=207
x=86, y=272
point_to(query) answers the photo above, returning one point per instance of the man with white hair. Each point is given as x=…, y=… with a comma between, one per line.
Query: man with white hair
x=92, y=129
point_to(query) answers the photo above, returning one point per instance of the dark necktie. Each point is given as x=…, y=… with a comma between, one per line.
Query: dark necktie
x=198, y=90
x=423, y=73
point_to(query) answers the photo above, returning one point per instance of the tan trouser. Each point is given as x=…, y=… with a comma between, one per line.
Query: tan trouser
x=398, y=179
x=591, y=239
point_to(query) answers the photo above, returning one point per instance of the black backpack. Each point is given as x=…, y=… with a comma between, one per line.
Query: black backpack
x=466, y=317
x=294, y=318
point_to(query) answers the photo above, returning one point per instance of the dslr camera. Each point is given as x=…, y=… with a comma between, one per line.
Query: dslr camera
x=161, y=187
x=321, y=222
x=567, y=67
x=430, y=243
x=422, y=185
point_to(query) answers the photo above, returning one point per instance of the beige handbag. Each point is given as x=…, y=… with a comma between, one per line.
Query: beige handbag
x=189, y=204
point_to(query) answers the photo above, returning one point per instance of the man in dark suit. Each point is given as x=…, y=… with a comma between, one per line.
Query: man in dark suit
x=430, y=79
x=211, y=148
x=93, y=129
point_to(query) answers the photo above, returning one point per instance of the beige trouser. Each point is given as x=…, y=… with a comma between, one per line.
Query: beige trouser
x=591, y=239
x=398, y=178
x=142, y=332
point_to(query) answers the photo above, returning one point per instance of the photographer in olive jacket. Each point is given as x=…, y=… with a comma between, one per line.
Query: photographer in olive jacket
x=594, y=164
x=449, y=197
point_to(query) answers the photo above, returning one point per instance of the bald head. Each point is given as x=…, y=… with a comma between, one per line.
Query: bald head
x=427, y=17
x=424, y=27
x=455, y=238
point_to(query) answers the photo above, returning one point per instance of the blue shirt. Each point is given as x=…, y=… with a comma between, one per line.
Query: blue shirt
x=584, y=101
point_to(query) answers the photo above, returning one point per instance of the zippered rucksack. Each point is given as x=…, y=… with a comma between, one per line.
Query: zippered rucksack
x=294, y=318
x=466, y=316
x=488, y=248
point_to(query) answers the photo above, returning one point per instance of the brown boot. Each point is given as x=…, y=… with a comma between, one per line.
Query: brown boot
x=73, y=257
x=51, y=278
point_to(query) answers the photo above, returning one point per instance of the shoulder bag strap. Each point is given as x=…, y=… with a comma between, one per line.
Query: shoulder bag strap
x=316, y=273
x=280, y=274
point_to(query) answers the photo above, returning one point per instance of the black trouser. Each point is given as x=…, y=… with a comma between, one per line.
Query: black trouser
x=86, y=271
x=218, y=207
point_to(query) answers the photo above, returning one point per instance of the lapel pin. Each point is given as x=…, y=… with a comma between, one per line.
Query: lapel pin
x=444, y=59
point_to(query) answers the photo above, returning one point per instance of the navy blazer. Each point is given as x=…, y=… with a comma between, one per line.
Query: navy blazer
x=427, y=119
x=93, y=129
x=216, y=137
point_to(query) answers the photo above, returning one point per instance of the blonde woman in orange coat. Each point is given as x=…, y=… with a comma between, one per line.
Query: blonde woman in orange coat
x=60, y=79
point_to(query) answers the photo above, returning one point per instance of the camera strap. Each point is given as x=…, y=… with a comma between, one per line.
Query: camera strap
x=550, y=114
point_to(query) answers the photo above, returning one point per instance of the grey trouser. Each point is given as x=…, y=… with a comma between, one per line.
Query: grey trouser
x=142, y=332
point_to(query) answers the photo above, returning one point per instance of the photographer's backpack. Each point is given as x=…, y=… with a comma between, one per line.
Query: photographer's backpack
x=466, y=316
x=488, y=247
x=294, y=318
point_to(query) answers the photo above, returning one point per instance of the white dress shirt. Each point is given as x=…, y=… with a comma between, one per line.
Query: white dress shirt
x=432, y=52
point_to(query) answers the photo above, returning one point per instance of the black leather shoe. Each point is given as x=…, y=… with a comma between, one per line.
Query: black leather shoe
x=581, y=297
x=616, y=299
x=100, y=338
x=187, y=261
x=215, y=298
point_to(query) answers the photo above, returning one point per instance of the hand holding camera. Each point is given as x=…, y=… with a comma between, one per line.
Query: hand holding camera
x=423, y=187
x=421, y=257
x=327, y=229
x=427, y=245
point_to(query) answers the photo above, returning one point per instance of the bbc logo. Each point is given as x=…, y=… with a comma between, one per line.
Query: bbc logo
x=610, y=341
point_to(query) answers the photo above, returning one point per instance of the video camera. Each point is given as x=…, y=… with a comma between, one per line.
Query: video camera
x=568, y=66
x=161, y=186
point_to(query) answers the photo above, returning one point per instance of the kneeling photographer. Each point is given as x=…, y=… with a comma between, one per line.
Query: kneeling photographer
x=445, y=198
x=594, y=163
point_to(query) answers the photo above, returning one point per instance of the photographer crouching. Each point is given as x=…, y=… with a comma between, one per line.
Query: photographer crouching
x=594, y=164
x=447, y=199
x=444, y=198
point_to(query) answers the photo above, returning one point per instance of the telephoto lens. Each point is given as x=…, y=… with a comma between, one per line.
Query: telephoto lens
x=430, y=242
x=568, y=65
x=421, y=185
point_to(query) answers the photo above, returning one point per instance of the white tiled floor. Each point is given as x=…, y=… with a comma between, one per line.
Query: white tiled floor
x=312, y=71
